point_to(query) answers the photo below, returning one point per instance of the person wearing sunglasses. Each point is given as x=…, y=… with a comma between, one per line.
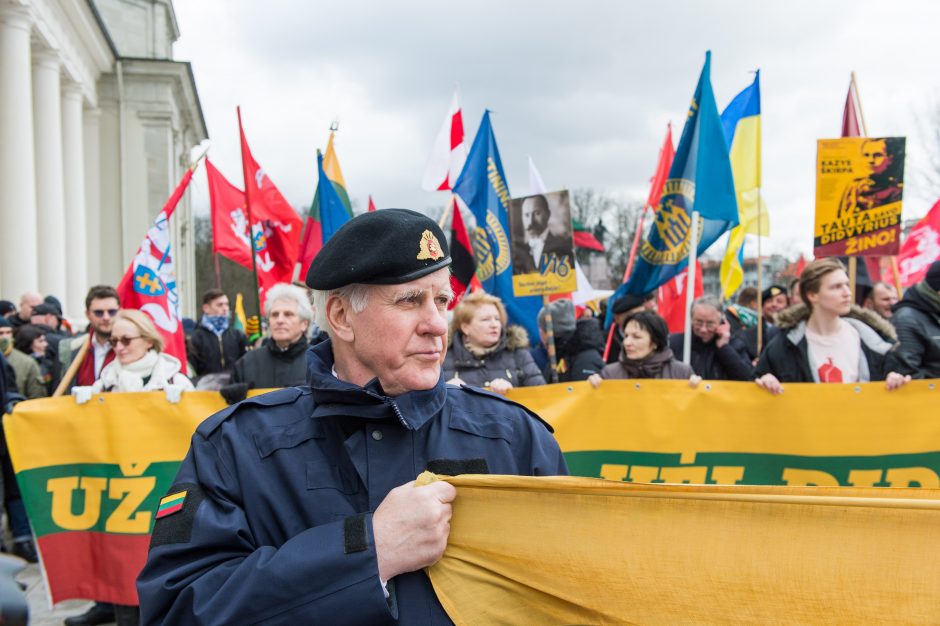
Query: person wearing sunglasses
x=101, y=306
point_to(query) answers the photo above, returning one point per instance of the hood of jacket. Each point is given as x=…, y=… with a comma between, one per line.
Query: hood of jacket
x=914, y=299
x=335, y=397
x=875, y=332
x=587, y=335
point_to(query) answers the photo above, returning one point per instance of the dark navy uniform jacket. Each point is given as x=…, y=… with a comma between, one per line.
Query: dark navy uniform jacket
x=276, y=525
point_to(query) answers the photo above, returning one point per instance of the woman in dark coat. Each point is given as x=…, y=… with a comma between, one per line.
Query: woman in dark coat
x=645, y=353
x=484, y=352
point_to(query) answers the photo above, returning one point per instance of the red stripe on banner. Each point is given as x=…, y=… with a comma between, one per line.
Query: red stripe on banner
x=93, y=566
x=169, y=510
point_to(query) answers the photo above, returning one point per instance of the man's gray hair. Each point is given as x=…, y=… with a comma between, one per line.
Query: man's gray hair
x=356, y=294
x=708, y=300
x=291, y=293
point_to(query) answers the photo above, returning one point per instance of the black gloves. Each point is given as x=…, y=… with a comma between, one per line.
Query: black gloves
x=235, y=392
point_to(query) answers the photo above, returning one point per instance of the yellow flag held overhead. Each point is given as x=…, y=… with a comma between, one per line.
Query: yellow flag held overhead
x=741, y=121
x=240, y=319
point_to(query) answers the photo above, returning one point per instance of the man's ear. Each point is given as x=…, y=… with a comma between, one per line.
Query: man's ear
x=338, y=314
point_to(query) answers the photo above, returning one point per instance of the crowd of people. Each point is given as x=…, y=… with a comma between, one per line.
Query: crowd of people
x=810, y=331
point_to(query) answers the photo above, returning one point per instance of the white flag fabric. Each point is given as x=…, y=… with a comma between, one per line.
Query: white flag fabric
x=448, y=154
x=536, y=184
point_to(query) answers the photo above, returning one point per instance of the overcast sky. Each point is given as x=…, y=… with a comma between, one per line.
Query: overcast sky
x=585, y=88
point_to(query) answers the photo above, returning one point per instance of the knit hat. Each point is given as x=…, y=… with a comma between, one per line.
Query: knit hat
x=563, y=321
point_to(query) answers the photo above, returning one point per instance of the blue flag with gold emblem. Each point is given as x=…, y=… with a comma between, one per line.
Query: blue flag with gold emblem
x=482, y=187
x=700, y=180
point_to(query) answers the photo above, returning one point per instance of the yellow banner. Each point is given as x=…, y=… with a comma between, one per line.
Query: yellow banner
x=859, y=186
x=736, y=433
x=557, y=550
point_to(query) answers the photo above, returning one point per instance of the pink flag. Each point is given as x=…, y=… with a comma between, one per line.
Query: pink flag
x=371, y=204
x=448, y=154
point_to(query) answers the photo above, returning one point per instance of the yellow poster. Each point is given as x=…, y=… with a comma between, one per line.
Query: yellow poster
x=859, y=185
x=542, y=245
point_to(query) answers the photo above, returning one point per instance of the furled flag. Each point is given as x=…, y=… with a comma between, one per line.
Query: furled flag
x=920, y=249
x=741, y=122
x=671, y=300
x=850, y=126
x=700, y=180
x=239, y=321
x=463, y=267
x=150, y=284
x=333, y=212
x=482, y=187
x=371, y=204
x=448, y=154
x=313, y=228
x=275, y=224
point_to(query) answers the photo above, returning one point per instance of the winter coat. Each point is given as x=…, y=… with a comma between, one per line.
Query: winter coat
x=211, y=354
x=280, y=491
x=673, y=369
x=729, y=362
x=579, y=354
x=29, y=381
x=509, y=360
x=787, y=355
x=917, y=321
x=267, y=366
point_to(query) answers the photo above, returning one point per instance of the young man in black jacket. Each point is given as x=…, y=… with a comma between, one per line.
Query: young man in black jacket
x=214, y=345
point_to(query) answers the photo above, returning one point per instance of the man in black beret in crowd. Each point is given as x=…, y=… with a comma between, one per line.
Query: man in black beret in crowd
x=298, y=506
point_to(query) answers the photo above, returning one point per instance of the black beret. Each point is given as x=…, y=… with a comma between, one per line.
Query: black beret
x=628, y=302
x=4, y=322
x=772, y=291
x=44, y=309
x=385, y=247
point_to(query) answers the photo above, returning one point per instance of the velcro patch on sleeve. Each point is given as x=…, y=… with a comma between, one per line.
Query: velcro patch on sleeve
x=176, y=514
x=456, y=467
x=355, y=534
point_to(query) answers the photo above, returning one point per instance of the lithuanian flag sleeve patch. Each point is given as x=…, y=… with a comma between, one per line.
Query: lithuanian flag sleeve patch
x=171, y=504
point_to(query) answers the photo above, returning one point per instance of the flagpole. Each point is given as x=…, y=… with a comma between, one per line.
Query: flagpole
x=251, y=227
x=690, y=289
x=447, y=210
x=550, y=340
x=218, y=272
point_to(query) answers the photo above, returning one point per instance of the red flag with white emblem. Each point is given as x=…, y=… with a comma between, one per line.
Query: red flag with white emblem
x=920, y=249
x=448, y=154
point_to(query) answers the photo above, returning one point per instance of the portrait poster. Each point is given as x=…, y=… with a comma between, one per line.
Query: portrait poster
x=859, y=184
x=542, y=245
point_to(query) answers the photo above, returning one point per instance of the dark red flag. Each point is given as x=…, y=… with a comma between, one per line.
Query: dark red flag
x=463, y=267
x=850, y=126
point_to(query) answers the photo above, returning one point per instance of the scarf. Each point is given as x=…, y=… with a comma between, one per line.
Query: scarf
x=480, y=353
x=6, y=345
x=216, y=323
x=929, y=294
x=158, y=368
x=650, y=366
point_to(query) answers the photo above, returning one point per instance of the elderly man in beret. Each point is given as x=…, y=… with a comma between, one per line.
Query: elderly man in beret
x=298, y=506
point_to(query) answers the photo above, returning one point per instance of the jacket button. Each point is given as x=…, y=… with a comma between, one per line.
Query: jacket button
x=377, y=435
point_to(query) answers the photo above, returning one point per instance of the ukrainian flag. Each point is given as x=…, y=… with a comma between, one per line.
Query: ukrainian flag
x=741, y=122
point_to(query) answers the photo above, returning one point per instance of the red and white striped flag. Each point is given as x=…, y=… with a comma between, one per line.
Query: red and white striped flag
x=448, y=154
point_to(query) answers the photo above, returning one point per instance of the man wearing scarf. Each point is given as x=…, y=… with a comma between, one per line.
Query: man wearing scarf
x=214, y=345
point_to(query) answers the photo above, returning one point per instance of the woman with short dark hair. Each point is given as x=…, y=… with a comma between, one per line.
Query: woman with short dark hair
x=645, y=353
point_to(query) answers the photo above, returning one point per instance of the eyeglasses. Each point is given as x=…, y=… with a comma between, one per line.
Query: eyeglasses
x=124, y=341
x=704, y=324
x=99, y=313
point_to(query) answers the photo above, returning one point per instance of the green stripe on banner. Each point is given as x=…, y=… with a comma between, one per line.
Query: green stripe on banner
x=95, y=497
x=727, y=468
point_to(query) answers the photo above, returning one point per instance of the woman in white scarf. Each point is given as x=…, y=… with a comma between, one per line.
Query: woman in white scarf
x=140, y=363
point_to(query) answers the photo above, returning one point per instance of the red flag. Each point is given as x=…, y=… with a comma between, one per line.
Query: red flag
x=800, y=266
x=229, y=218
x=463, y=267
x=448, y=154
x=371, y=204
x=150, y=283
x=920, y=249
x=666, y=154
x=850, y=126
x=275, y=225
x=671, y=299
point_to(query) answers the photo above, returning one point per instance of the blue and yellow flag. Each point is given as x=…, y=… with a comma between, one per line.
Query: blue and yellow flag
x=333, y=213
x=482, y=187
x=741, y=121
x=700, y=180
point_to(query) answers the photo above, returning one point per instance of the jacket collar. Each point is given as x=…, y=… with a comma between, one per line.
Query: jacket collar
x=335, y=397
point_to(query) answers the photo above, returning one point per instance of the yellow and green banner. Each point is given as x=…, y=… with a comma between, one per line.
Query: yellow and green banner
x=93, y=475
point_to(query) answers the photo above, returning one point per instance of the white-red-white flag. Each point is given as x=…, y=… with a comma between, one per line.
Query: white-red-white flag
x=448, y=154
x=920, y=249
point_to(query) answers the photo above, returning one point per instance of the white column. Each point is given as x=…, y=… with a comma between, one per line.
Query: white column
x=50, y=195
x=76, y=251
x=18, y=272
x=92, y=149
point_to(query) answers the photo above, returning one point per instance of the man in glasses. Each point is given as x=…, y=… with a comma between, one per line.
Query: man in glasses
x=101, y=305
x=716, y=355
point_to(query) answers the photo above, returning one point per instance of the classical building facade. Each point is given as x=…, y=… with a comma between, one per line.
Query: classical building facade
x=97, y=125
